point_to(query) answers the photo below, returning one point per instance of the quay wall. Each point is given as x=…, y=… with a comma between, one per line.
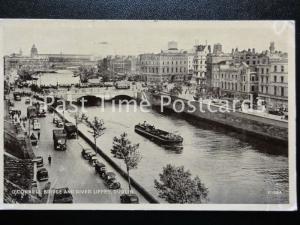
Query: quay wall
x=262, y=127
x=122, y=172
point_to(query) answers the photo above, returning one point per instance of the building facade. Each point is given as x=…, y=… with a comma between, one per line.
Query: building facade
x=273, y=78
x=170, y=65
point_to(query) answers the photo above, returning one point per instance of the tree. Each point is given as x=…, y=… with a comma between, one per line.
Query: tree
x=79, y=118
x=177, y=186
x=123, y=149
x=176, y=90
x=97, y=128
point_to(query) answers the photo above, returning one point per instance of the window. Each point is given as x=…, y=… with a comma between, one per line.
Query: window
x=262, y=71
x=282, y=68
x=262, y=79
x=282, y=91
x=267, y=70
x=252, y=88
x=275, y=68
x=282, y=79
x=267, y=79
x=275, y=79
x=267, y=91
x=275, y=90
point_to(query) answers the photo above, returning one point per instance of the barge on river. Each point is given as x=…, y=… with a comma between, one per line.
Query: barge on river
x=159, y=136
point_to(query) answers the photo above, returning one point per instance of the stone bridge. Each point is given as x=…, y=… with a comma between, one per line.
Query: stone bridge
x=102, y=93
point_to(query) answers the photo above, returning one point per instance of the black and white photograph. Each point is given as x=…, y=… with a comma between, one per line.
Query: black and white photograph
x=161, y=115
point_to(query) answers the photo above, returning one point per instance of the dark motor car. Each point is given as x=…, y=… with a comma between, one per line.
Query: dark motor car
x=129, y=198
x=100, y=168
x=62, y=195
x=110, y=181
x=85, y=152
x=89, y=155
x=39, y=160
x=42, y=174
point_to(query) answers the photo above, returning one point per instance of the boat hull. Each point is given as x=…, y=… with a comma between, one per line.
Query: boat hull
x=157, y=139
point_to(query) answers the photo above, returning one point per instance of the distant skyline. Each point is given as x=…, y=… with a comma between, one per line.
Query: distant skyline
x=136, y=37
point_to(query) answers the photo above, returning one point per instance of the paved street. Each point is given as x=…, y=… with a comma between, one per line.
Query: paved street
x=69, y=169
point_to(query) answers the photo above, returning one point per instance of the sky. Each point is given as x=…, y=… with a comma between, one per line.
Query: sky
x=135, y=37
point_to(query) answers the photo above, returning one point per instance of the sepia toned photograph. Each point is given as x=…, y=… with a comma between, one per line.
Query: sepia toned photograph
x=163, y=115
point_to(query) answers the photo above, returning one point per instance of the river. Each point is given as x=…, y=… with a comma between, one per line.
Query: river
x=234, y=168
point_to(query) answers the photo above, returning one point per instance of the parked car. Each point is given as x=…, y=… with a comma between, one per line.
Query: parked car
x=36, y=125
x=59, y=124
x=85, y=151
x=100, y=168
x=93, y=160
x=33, y=139
x=42, y=174
x=129, y=198
x=89, y=155
x=110, y=181
x=33, y=183
x=40, y=161
x=55, y=120
x=27, y=101
x=62, y=195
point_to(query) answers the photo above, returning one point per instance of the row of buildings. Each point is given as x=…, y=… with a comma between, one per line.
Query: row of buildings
x=234, y=74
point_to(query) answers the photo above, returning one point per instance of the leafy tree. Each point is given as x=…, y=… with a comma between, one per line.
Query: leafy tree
x=177, y=186
x=97, y=128
x=123, y=149
x=86, y=72
x=79, y=118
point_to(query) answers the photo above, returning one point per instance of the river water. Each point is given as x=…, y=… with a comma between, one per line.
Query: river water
x=234, y=167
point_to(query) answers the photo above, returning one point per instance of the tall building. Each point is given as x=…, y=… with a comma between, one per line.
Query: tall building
x=235, y=80
x=200, y=66
x=273, y=78
x=168, y=65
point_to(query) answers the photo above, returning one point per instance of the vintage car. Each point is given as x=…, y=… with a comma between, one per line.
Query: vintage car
x=33, y=139
x=100, y=168
x=55, y=120
x=27, y=101
x=40, y=161
x=93, y=160
x=85, y=151
x=89, y=155
x=62, y=195
x=42, y=174
x=59, y=124
x=129, y=198
x=36, y=124
x=110, y=181
x=41, y=113
x=33, y=183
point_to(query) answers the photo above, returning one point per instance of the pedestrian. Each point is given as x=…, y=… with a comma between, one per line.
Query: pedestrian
x=49, y=159
x=39, y=135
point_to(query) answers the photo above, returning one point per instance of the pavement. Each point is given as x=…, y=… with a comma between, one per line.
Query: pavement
x=69, y=169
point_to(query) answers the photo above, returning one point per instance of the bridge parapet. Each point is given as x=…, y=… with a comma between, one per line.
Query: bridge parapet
x=106, y=94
